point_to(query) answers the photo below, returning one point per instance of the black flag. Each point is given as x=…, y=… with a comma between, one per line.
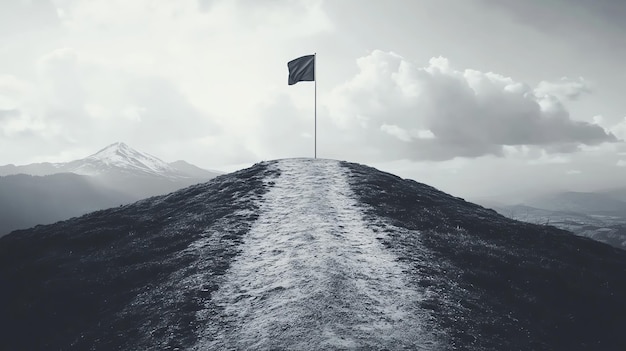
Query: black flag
x=301, y=69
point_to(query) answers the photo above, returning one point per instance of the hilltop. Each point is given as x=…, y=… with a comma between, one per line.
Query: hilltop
x=309, y=254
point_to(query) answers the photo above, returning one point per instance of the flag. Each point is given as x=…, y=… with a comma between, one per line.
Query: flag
x=301, y=69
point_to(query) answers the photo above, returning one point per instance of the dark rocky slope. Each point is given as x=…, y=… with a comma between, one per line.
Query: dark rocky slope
x=70, y=285
x=501, y=284
x=26, y=200
x=125, y=278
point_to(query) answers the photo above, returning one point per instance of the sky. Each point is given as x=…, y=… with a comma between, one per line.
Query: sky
x=484, y=99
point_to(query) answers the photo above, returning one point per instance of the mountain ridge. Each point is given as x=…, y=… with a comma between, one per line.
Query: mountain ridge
x=329, y=240
x=604, y=228
x=116, y=159
x=581, y=202
x=115, y=175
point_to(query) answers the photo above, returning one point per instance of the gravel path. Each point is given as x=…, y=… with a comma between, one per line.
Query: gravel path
x=313, y=275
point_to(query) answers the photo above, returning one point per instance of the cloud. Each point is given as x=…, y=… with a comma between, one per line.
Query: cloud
x=84, y=102
x=546, y=159
x=18, y=19
x=619, y=129
x=13, y=92
x=187, y=72
x=60, y=78
x=8, y=113
x=564, y=89
x=18, y=109
x=406, y=135
x=571, y=18
x=282, y=130
x=437, y=112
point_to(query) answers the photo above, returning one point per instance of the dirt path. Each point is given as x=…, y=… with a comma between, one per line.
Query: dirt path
x=312, y=274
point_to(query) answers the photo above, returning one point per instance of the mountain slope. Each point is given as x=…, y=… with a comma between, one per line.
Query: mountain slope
x=27, y=200
x=114, y=175
x=192, y=171
x=607, y=229
x=581, y=202
x=507, y=285
x=308, y=254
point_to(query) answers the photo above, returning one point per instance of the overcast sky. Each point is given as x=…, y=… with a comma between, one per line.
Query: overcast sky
x=477, y=97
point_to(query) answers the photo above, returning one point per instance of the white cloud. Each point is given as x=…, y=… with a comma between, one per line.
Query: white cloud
x=598, y=119
x=215, y=53
x=396, y=131
x=18, y=109
x=467, y=113
x=545, y=159
x=406, y=135
x=206, y=81
x=155, y=73
x=75, y=100
x=13, y=92
x=564, y=89
x=282, y=130
x=619, y=129
x=134, y=113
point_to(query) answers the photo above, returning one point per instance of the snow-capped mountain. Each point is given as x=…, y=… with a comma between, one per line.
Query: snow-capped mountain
x=307, y=254
x=122, y=159
x=117, y=159
x=117, y=174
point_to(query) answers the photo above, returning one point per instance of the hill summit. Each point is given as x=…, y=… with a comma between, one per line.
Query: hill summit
x=304, y=254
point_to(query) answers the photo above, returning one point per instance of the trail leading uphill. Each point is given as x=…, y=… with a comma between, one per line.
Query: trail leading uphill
x=312, y=274
x=305, y=254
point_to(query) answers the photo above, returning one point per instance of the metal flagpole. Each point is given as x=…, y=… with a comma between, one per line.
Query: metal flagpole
x=315, y=79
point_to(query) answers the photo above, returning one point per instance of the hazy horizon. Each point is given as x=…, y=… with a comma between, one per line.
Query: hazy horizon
x=478, y=98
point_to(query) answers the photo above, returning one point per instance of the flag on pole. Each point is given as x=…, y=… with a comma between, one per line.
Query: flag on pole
x=301, y=69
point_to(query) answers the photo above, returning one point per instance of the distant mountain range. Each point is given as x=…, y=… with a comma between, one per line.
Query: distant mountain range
x=43, y=193
x=597, y=215
x=117, y=159
x=596, y=203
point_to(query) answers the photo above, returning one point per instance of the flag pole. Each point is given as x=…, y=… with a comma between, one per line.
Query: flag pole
x=315, y=111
